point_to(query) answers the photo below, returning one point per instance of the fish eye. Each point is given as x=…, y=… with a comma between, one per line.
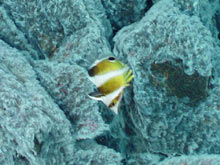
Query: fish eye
x=111, y=59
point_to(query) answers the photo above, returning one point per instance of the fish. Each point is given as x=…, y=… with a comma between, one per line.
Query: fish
x=110, y=77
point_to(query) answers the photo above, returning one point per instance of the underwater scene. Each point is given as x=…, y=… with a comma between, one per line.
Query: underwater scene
x=109, y=82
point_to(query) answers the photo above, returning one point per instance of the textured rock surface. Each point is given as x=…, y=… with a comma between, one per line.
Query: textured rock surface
x=171, y=109
x=33, y=129
x=155, y=1
x=12, y=35
x=206, y=10
x=176, y=37
x=83, y=47
x=46, y=23
x=124, y=12
x=193, y=160
x=68, y=85
x=97, y=14
x=170, y=54
x=91, y=153
x=143, y=159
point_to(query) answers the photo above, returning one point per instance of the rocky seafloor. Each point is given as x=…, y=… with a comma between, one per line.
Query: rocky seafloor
x=170, y=115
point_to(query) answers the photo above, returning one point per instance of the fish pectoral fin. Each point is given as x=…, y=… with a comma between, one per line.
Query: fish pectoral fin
x=129, y=73
x=127, y=85
x=129, y=76
x=96, y=95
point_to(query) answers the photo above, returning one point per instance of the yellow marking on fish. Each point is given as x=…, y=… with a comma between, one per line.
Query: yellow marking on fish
x=116, y=82
x=112, y=84
x=101, y=68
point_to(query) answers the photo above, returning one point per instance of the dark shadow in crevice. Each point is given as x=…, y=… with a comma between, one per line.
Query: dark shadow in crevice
x=149, y=5
x=123, y=13
x=217, y=18
x=109, y=141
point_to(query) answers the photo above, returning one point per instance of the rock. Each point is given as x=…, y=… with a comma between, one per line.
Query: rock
x=97, y=13
x=12, y=35
x=217, y=17
x=170, y=54
x=155, y=1
x=83, y=47
x=33, y=129
x=206, y=10
x=168, y=115
x=143, y=158
x=46, y=24
x=193, y=160
x=124, y=12
x=167, y=37
x=69, y=86
x=91, y=153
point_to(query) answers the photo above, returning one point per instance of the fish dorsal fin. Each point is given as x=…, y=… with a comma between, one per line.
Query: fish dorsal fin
x=96, y=95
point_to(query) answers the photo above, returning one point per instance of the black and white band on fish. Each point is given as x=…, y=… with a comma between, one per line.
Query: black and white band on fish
x=110, y=77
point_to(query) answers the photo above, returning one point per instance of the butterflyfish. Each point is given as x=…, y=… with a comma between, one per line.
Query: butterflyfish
x=111, y=77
